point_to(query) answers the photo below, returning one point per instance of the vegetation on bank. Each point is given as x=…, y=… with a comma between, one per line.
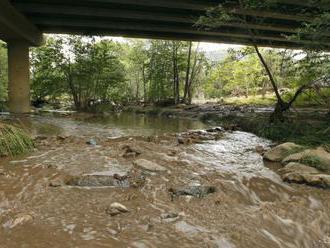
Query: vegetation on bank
x=309, y=131
x=14, y=140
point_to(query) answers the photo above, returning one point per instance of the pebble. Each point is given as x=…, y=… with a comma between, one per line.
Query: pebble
x=116, y=209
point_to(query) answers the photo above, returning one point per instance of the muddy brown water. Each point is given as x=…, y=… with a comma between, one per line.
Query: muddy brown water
x=251, y=207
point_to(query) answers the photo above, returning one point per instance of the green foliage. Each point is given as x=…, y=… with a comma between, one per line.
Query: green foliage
x=297, y=130
x=154, y=67
x=47, y=75
x=87, y=69
x=3, y=72
x=14, y=140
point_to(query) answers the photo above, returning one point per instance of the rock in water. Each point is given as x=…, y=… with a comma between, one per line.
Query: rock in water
x=298, y=169
x=195, y=191
x=317, y=180
x=148, y=165
x=303, y=174
x=318, y=158
x=260, y=149
x=91, y=142
x=279, y=152
x=116, y=208
x=129, y=152
x=20, y=219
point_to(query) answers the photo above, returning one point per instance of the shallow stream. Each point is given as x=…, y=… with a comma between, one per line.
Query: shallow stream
x=251, y=206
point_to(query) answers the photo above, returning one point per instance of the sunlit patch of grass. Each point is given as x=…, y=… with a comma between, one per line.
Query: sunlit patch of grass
x=267, y=100
x=14, y=140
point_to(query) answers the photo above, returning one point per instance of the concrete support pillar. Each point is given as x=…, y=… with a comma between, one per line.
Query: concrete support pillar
x=18, y=77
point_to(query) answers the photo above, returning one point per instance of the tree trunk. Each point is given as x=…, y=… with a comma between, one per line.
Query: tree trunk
x=187, y=82
x=176, y=89
x=144, y=83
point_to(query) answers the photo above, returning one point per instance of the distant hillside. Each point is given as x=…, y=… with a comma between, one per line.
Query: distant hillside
x=217, y=55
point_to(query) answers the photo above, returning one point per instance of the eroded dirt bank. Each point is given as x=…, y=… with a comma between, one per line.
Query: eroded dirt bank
x=201, y=189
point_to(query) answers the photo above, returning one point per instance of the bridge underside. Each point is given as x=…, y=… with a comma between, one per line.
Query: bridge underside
x=22, y=23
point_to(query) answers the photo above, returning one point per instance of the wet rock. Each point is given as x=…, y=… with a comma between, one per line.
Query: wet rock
x=116, y=208
x=40, y=137
x=91, y=142
x=148, y=165
x=280, y=152
x=199, y=136
x=172, y=153
x=138, y=181
x=215, y=130
x=299, y=169
x=130, y=152
x=260, y=150
x=20, y=219
x=62, y=137
x=183, y=141
x=195, y=191
x=56, y=183
x=169, y=217
x=318, y=158
x=98, y=181
x=317, y=180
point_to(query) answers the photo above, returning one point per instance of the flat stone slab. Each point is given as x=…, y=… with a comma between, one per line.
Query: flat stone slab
x=148, y=165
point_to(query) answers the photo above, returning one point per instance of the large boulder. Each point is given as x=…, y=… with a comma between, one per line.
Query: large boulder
x=298, y=168
x=317, y=180
x=317, y=158
x=280, y=152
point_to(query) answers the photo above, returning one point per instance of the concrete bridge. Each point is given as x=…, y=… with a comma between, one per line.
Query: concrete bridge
x=23, y=22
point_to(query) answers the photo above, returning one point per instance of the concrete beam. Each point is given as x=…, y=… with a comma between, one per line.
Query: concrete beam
x=170, y=36
x=18, y=77
x=14, y=26
x=46, y=11
x=130, y=27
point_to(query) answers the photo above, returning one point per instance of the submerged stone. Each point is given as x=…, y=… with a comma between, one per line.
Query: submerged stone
x=91, y=142
x=20, y=219
x=195, y=191
x=98, y=181
x=280, y=152
x=148, y=165
x=130, y=152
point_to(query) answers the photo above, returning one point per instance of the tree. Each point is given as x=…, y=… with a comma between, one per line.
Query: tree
x=87, y=69
x=47, y=77
x=221, y=14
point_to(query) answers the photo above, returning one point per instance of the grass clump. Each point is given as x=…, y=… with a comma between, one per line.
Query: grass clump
x=315, y=162
x=14, y=140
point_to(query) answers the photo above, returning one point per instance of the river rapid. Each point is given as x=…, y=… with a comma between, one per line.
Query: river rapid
x=46, y=200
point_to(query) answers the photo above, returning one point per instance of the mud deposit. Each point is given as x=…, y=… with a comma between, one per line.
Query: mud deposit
x=105, y=184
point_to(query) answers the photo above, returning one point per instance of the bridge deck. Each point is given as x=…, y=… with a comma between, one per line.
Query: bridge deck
x=168, y=19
